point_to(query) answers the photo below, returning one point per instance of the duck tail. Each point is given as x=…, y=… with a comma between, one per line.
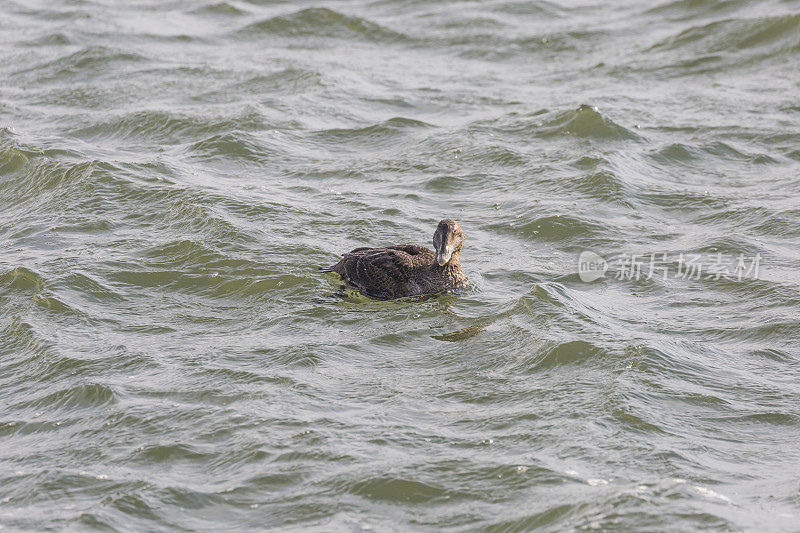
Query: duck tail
x=327, y=269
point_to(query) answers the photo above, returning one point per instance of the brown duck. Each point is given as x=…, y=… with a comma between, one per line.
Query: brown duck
x=407, y=270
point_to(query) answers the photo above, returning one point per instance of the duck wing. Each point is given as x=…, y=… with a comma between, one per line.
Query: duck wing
x=383, y=272
x=412, y=249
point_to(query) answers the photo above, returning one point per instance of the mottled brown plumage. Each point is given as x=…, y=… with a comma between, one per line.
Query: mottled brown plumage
x=407, y=270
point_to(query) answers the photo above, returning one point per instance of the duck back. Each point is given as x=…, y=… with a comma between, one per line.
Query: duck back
x=397, y=271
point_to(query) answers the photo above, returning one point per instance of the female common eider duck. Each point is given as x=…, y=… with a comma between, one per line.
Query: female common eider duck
x=407, y=270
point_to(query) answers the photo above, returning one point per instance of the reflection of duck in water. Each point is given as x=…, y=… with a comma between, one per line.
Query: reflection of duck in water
x=407, y=270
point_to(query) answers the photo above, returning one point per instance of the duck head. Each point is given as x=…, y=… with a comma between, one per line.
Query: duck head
x=447, y=241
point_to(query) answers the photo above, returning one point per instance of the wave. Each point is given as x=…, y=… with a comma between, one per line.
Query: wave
x=195, y=257
x=90, y=395
x=772, y=36
x=386, y=133
x=22, y=279
x=12, y=159
x=296, y=80
x=586, y=121
x=35, y=181
x=224, y=9
x=52, y=39
x=567, y=353
x=695, y=9
x=583, y=122
x=762, y=220
x=393, y=488
x=723, y=151
x=19, y=338
x=465, y=42
x=99, y=61
x=555, y=228
x=605, y=185
x=319, y=23
x=538, y=8
x=237, y=146
x=167, y=127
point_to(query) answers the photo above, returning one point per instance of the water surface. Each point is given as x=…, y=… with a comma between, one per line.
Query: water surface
x=173, y=173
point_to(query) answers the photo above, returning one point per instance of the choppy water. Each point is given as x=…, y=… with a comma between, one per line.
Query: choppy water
x=172, y=174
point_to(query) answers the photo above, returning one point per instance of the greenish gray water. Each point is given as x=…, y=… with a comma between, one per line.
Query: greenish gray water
x=173, y=173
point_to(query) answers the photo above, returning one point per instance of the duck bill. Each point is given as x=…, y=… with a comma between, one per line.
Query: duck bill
x=444, y=254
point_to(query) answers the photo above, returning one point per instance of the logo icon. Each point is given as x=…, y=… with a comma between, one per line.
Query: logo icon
x=591, y=266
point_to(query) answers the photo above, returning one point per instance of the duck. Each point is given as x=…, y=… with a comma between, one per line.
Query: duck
x=409, y=269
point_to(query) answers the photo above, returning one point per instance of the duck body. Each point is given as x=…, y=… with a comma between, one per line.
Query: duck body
x=406, y=270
